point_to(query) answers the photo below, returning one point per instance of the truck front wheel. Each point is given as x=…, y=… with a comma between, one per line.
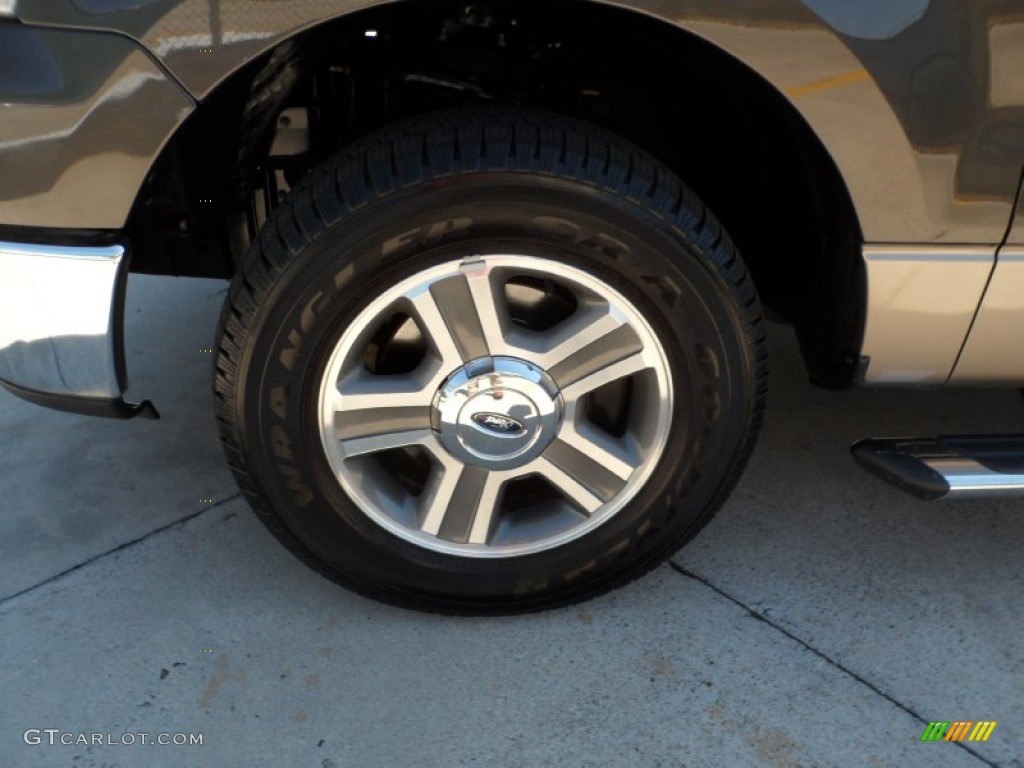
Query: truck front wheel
x=489, y=361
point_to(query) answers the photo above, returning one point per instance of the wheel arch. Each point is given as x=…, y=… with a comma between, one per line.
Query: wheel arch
x=769, y=177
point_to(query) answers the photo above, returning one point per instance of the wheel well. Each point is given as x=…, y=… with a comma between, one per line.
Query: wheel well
x=723, y=129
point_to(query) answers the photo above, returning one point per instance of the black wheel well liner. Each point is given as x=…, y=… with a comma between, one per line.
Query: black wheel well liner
x=728, y=133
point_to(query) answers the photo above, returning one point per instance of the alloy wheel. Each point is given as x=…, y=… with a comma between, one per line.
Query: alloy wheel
x=495, y=406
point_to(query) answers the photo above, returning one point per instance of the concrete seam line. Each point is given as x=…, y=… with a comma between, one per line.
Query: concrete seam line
x=807, y=646
x=179, y=522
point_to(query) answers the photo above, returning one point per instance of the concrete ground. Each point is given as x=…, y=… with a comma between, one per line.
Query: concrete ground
x=822, y=620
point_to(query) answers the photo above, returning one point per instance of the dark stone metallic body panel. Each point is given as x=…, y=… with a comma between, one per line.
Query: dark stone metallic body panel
x=81, y=121
x=920, y=103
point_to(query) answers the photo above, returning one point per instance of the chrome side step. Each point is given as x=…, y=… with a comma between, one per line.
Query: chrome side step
x=948, y=466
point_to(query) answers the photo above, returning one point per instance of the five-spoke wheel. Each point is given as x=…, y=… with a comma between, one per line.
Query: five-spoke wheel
x=526, y=434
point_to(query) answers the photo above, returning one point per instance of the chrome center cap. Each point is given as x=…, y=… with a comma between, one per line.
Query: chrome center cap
x=497, y=412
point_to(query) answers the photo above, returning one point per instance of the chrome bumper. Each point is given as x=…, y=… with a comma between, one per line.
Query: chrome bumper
x=61, y=323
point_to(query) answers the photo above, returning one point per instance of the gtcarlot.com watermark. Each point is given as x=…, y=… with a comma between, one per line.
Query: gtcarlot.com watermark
x=54, y=736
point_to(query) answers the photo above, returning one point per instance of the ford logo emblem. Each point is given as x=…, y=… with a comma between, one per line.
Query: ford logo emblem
x=496, y=422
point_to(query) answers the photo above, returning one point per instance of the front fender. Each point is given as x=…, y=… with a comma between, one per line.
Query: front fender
x=919, y=103
x=83, y=114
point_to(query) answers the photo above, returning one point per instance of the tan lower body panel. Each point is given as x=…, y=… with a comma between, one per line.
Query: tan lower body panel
x=994, y=352
x=921, y=303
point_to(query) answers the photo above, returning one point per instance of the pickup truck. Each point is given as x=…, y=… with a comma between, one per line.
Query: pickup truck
x=495, y=339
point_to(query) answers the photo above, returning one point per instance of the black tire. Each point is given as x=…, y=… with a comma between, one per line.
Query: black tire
x=382, y=209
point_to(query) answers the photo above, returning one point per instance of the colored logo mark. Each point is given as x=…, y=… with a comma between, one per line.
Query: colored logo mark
x=496, y=422
x=959, y=730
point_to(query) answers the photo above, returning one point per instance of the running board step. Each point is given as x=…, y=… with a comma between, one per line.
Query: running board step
x=948, y=466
